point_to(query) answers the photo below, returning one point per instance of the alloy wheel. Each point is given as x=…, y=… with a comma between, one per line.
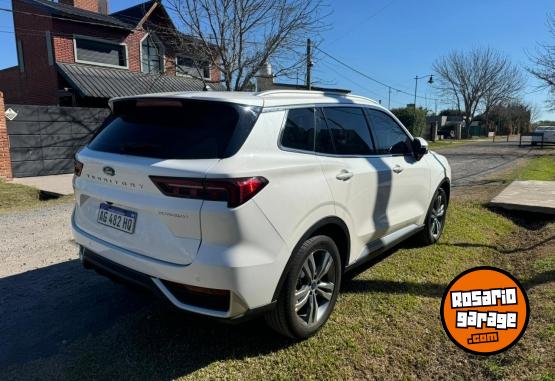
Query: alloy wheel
x=437, y=216
x=315, y=286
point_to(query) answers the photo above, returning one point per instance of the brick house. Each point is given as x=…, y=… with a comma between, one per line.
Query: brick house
x=74, y=53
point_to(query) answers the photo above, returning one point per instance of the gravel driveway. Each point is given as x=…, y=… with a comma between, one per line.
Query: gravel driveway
x=48, y=300
x=472, y=163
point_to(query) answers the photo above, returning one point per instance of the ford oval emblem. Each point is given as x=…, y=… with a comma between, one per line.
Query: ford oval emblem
x=109, y=171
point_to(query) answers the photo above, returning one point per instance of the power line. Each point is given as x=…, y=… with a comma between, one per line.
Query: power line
x=369, y=77
x=357, y=25
x=330, y=67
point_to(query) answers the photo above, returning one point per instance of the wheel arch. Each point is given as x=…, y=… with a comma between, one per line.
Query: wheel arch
x=333, y=227
x=446, y=185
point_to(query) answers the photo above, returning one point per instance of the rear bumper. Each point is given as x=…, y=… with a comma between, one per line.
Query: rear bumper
x=249, y=274
x=119, y=273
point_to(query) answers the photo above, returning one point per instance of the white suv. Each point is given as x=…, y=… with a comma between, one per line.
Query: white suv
x=232, y=204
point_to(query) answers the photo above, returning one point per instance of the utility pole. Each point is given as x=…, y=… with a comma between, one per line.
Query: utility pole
x=389, y=98
x=430, y=81
x=308, y=64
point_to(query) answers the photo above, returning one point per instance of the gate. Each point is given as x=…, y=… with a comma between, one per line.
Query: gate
x=44, y=139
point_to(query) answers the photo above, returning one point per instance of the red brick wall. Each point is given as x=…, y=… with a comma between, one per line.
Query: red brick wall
x=64, y=48
x=215, y=74
x=5, y=161
x=37, y=84
x=133, y=42
x=89, y=5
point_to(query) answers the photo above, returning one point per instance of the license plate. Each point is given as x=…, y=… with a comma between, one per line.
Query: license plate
x=117, y=218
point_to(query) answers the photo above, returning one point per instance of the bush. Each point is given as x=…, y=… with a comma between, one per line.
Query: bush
x=406, y=116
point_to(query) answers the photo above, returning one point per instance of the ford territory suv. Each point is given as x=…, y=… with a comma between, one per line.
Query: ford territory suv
x=230, y=204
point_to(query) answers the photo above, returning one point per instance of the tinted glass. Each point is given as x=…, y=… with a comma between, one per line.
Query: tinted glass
x=175, y=129
x=349, y=130
x=323, y=135
x=100, y=52
x=390, y=137
x=298, y=132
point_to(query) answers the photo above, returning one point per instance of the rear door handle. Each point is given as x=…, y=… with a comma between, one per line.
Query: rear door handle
x=397, y=169
x=344, y=175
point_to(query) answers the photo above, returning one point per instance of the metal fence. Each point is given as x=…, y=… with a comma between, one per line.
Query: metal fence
x=44, y=139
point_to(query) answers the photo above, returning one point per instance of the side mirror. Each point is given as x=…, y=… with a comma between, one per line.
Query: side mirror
x=420, y=148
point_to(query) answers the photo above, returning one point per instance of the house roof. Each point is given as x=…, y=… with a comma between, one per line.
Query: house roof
x=78, y=14
x=134, y=14
x=100, y=82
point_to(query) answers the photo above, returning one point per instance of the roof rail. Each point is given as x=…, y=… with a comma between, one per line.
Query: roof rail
x=313, y=93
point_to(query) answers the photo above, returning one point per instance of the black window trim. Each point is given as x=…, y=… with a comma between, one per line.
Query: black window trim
x=362, y=108
x=282, y=130
x=376, y=140
x=325, y=105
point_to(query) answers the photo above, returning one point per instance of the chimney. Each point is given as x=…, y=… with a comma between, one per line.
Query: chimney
x=265, y=78
x=98, y=6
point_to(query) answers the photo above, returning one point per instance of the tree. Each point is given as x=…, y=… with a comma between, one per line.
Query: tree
x=238, y=37
x=510, y=118
x=477, y=80
x=406, y=116
x=451, y=112
x=544, y=61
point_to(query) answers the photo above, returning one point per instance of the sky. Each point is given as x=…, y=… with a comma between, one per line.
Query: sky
x=395, y=40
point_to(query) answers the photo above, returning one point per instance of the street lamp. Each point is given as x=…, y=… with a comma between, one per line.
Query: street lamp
x=430, y=81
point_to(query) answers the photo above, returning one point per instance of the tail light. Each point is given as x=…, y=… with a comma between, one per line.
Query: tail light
x=234, y=191
x=77, y=167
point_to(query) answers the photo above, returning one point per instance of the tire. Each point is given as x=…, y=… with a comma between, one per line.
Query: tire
x=435, y=222
x=308, y=284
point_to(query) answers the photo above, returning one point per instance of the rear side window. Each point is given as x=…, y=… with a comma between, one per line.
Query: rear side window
x=175, y=129
x=298, y=132
x=349, y=131
x=390, y=137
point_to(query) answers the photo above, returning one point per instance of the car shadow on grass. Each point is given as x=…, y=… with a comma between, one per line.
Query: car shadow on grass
x=500, y=249
x=86, y=324
x=527, y=220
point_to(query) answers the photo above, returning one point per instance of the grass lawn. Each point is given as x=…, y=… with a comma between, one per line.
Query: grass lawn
x=541, y=168
x=386, y=323
x=450, y=143
x=16, y=197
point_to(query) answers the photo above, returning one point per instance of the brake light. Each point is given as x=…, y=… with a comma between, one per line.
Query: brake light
x=234, y=191
x=77, y=167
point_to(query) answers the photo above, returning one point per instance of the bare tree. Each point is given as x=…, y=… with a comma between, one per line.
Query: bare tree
x=544, y=61
x=238, y=37
x=535, y=112
x=477, y=80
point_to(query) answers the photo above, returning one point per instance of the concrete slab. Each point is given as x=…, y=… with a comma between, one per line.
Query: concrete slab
x=57, y=184
x=529, y=196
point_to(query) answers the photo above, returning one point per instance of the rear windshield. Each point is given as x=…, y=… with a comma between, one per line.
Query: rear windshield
x=175, y=129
